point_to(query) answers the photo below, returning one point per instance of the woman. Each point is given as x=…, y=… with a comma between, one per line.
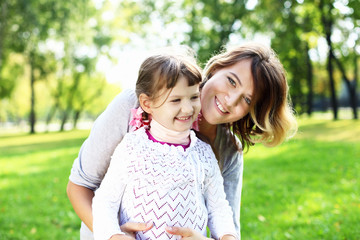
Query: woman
x=244, y=98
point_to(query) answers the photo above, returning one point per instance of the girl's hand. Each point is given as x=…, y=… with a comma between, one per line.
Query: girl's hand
x=130, y=228
x=121, y=237
x=186, y=233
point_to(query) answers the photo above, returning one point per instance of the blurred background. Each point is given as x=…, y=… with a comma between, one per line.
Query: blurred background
x=62, y=62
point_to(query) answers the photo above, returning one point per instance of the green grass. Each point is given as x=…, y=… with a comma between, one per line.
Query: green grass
x=34, y=172
x=307, y=188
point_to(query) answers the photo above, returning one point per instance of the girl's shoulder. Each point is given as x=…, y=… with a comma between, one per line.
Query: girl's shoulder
x=136, y=137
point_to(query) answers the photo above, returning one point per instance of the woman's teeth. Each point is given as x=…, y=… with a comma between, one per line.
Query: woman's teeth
x=220, y=106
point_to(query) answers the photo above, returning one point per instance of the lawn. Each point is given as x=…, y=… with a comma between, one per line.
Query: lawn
x=307, y=188
x=34, y=172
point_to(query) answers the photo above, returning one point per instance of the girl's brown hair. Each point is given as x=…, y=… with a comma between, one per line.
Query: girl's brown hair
x=271, y=117
x=163, y=70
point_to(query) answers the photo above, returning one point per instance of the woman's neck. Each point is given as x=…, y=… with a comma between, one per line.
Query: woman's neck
x=208, y=130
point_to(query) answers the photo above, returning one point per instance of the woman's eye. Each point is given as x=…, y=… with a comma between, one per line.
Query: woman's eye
x=231, y=81
x=247, y=100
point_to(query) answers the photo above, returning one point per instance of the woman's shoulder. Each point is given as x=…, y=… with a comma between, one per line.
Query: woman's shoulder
x=126, y=98
x=226, y=141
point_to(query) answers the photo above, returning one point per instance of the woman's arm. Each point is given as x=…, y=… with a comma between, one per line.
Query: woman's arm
x=232, y=174
x=81, y=200
x=231, y=162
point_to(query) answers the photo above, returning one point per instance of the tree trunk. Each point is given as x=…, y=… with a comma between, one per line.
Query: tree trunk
x=351, y=85
x=327, y=24
x=70, y=99
x=51, y=115
x=309, y=82
x=330, y=69
x=355, y=100
x=64, y=119
x=76, y=118
x=32, y=117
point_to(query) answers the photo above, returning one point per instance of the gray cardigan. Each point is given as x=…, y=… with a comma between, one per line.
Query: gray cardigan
x=108, y=130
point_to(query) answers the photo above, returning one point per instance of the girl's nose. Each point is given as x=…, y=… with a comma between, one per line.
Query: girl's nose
x=187, y=108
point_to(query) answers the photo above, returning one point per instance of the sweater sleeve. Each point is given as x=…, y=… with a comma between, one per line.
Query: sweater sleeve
x=107, y=199
x=220, y=214
x=233, y=176
x=107, y=132
x=231, y=161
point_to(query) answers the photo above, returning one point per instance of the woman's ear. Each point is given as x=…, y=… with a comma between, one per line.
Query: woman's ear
x=145, y=103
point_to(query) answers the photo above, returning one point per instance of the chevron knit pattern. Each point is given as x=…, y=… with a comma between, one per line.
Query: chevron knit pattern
x=167, y=186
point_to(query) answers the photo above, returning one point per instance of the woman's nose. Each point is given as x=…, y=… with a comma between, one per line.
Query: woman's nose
x=232, y=99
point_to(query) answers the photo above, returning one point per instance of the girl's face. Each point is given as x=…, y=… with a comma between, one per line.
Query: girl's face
x=177, y=108
x=226, y=96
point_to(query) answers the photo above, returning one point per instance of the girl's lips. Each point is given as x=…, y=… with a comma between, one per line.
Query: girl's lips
x=220, y=107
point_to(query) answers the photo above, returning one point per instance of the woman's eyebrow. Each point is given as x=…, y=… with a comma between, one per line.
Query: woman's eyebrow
x=237, y=78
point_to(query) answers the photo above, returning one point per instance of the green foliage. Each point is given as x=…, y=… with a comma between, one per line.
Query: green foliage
x=63, y=41
x=212, y=22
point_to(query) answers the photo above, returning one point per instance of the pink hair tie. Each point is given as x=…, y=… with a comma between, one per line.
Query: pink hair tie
x=137, y=120
x=195, y=124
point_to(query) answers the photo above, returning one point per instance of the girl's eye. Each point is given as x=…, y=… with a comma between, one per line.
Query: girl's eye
x=194, y=97
x=175, y=100
x=231, y=81
x=247, y=100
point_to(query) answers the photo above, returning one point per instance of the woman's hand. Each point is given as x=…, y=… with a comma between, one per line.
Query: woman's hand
x=130, y=228
x=186, y=233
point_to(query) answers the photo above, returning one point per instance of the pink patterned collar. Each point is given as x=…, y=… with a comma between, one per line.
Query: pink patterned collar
x=171, y=144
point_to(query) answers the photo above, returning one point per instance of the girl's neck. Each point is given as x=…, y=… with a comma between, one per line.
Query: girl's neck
x=163, y=134
x=208, y=130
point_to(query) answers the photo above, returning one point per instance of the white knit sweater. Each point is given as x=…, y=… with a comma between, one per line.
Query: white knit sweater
x=167, y=185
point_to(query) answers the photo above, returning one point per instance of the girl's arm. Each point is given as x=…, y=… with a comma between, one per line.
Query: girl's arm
x=186, y=233
x=107, y=199
x=93, y=160
x=220, y=221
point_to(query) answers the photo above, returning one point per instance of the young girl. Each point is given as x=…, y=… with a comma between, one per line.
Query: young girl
x=244, y=97
x=163, y=173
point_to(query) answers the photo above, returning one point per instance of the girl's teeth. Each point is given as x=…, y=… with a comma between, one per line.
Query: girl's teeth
x=183, y=118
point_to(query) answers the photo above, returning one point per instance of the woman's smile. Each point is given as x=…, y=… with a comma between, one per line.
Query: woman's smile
x=220, y=106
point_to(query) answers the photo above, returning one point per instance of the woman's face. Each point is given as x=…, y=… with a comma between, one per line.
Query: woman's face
x=226, y=96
